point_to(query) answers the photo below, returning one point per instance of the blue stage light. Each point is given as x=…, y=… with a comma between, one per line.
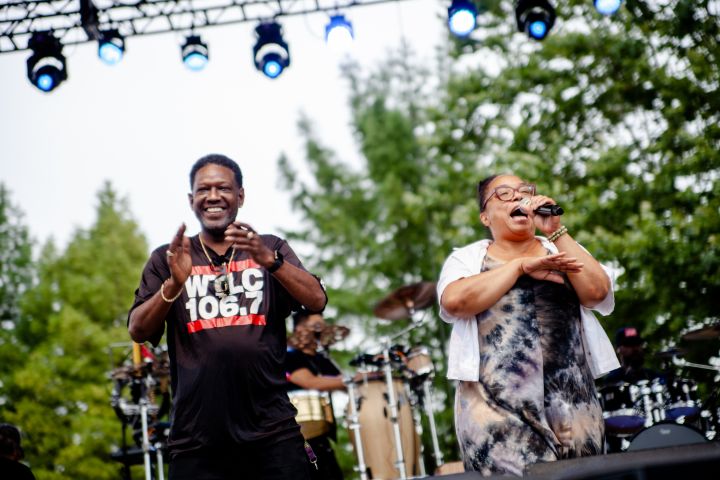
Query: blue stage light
x=272, y=65
x=462, y=17
x=535, y=17
x=271, y=54
x=195, y=53
x=538, y=29
x=45, y=82
x=111, y=47
x=46, y=66
x=339, y=33
x=607, y=7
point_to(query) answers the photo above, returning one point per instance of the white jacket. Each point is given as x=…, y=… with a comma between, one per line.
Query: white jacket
x=464, y=349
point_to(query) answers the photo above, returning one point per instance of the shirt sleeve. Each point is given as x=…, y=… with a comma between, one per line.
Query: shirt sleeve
x=156, y=271
x=455, y=268
x=294, y=361
x=289, y=256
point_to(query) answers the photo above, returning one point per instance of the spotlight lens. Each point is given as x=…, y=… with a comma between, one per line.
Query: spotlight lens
x=272, y=68
x=339, y=37
x=45, y=82
x=195, y=61
x=110, y=53
x=462, y=22
x=607, y=7
x=538, y=29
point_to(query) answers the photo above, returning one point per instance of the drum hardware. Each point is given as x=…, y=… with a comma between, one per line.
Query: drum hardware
x=354, y=427
x=393, y=404
x=681, y=362
x=708, y=332
x=148, y=373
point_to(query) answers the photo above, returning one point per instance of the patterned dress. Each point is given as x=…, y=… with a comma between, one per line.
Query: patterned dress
x=534, y=381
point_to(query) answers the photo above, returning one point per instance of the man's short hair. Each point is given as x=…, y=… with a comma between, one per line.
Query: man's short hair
x=217, y=159
x=10, y=441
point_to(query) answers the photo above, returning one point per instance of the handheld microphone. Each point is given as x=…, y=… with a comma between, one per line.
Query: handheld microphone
x=548, y=210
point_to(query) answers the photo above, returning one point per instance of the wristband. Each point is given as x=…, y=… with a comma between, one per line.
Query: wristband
x=165, y=299
x=558, y=233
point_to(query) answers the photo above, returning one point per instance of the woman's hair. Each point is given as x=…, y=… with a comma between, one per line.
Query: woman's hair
x=482, y=189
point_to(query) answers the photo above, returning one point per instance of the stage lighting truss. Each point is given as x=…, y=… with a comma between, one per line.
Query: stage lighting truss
x=607, y=7
x=195, y=53
x=111, y=47
x=535, y=17
x=271, y=54
x=46, y=66
x=462, y=17
x=339, y=34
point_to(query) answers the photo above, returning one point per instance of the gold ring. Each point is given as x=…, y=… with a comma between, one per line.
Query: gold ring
x=250, y=235
x=169, y=253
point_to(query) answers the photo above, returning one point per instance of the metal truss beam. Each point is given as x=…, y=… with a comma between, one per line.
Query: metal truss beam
x=79, y=21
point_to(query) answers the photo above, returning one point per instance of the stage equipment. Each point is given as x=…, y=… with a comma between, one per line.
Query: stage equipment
x=535, y=17
x=339, y=33
x=705, y=333
x=607, y=7
x=405, y=301
x=271, y=53
x=195, y=53
x=111, y=47
x=140, y=396
x=46, y=66
x=462, y=17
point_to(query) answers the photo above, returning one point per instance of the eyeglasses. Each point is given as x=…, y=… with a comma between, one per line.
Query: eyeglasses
x=506, y=193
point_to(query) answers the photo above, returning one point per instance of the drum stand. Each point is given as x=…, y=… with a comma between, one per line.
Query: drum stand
x=146, y=438
x=355, y=427
x=393, y=404
x=427, y=403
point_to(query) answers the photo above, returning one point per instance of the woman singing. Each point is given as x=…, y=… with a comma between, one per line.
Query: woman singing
x=517, y=303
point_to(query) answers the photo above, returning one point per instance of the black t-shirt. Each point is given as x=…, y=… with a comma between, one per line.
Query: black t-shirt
x=226, y=354
x=12, y=470
x=318, y=364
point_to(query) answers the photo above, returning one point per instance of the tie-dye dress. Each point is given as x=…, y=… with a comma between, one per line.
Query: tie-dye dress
x=534, y=381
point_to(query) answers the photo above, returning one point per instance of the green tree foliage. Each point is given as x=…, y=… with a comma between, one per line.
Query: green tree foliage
x=616, y=118
x=60, y=394
x=15, y=278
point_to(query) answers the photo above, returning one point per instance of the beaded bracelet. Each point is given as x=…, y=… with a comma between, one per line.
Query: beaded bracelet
x=558, y=233
x=169, y=300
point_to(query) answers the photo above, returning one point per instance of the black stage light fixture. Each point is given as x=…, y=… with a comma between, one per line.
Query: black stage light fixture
x=111, y=47
x=46, y=66
x=195, y=53
x=271, y=53
x=534, y=17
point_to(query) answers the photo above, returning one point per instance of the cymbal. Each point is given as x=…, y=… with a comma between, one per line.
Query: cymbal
x=402, y=302
x=326, y=335
x=704, y=333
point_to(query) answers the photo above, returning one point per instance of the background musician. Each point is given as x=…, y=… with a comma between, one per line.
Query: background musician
x=630, y=348
x=310, y=369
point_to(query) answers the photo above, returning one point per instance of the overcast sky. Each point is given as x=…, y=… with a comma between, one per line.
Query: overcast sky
x=141, y=124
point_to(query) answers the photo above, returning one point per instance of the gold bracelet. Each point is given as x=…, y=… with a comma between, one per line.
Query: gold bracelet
x=558, y=233
x=168, y=300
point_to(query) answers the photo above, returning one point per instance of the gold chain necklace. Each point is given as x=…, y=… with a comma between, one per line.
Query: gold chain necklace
x=220, y=284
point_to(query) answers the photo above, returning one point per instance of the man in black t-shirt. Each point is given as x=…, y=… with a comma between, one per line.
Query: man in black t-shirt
x=224, y=295
x=11, y=453
x=308, y=369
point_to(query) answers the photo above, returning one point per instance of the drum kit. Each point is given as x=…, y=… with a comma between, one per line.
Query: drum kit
x=389, y=392
x=662, y=411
